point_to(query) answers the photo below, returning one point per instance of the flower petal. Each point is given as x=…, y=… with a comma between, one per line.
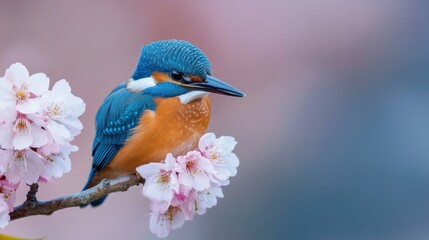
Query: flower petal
x=6, y=137
x=6, y=94
x=205, y=164
x=58, y=131
x=227, y=143
x=178, y=219
x=5, y=158
x=157, y=191
x=8, y=115
x=170, y=162
x=40, y=136
x=159, y=225
x=61, y=89
x=75, y=105
x=148, y=170
x=17, y=74
x=38, y=84
x=29, y=106
x=30, y=174
x=74, y=125
x=201, y=181
x=186, y=179
x=22, y=141
x=206, y=141
x=38, y=118
x=159, y=206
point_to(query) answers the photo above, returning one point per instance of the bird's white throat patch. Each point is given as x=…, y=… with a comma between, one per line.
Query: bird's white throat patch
x=140, y=84
x=191, y=96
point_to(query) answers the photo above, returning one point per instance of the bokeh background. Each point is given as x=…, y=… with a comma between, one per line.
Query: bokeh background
x=333, y=133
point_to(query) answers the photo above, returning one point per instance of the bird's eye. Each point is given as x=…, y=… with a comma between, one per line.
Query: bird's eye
x=176, y=76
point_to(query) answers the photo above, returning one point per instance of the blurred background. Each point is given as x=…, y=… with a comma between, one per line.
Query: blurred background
x=333, y=133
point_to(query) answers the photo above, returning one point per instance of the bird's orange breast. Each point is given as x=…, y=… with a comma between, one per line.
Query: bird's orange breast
x=172, y=127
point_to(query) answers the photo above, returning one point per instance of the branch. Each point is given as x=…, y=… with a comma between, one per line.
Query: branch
x=33, y=207
x=31, y=195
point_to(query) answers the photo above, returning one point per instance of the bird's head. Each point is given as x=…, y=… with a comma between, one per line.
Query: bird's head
x=170, y=68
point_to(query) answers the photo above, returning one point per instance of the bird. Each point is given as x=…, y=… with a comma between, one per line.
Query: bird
x=163, y=108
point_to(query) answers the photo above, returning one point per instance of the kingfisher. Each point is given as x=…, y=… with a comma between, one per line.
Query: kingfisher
x=163, y=108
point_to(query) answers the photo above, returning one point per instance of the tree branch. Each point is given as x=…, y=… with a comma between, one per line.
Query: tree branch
x=33, y=207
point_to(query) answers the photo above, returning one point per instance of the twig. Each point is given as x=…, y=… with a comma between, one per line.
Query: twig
x=33, y=207
x=31, y=196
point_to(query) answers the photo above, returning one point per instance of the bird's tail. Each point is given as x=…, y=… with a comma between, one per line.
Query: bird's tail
x=90, y=184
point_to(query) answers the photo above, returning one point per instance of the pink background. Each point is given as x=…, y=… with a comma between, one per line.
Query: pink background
x=333, y=134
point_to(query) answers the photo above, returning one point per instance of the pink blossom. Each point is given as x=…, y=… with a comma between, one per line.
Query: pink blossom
x=36, y=127
x=21, y=133
x=161, y=180
x=194, y=170
x=161, y=223
x=63, y=110
x=18, y=88
x=21, y=165
x=57, y=164
x=200, y=176
x=182, y=198
x=219, y=152
x=206, y=199
x=8, y=192
x=51, y=147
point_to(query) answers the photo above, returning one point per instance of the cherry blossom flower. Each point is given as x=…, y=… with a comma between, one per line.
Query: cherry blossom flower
x=8, y=192
x=161, y=223
x=219, y=152
x=4, y=213
x=21, y=165
x=19, y=89
x=182, y=199
x=59, y=112
x=63, y=109
x=186, y=200
x=180, y=187
x=206, y=199
x=51, y=147
x=194, y=170
x=161, y=180
x=21, y=133
x=57, y=164
x=36, y=127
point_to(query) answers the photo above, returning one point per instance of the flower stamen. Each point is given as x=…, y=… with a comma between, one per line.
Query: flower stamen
x=163, y=178
x=22, y=126
x=22, y=94
x=19, y=155
x=20, y=160
x=56, y=110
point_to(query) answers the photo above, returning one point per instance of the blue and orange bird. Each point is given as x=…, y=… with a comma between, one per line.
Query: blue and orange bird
x=163, y=108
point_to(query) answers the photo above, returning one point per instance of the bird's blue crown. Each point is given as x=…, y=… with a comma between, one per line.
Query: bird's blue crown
x=172, y=55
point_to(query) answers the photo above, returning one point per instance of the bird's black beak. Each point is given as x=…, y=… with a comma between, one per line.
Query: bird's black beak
x=215, y=85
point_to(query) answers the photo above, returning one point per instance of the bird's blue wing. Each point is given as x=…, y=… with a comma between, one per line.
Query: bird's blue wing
x=117, y=116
